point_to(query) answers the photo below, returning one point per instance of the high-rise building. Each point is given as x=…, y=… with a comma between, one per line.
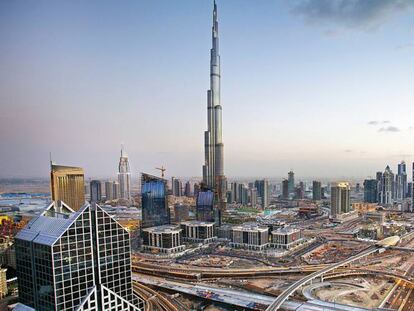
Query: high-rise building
x=387, y=187
x=253, y=197
x=262, y=187
x=244, y=195
x=316, y=190
x=340, y=199
x=67, y=185
x=176, y=187
x=370, y=191
x=116, y=188
x=155, y=210
x=77, y=261
x=96, y=191
x=379, y=187
x=124, y=176
x=412, y=191
x=196, y=189
x=109, y=190
x=291, y=180
x=235, y=192
x=213, y=168
x=401, y=182
x=187, y=191
x=285, y=189
x=205, y=206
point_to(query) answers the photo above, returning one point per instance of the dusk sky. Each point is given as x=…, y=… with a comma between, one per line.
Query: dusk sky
x=325, y=88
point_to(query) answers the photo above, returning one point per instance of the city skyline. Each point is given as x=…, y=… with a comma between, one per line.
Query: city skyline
x=267, y=129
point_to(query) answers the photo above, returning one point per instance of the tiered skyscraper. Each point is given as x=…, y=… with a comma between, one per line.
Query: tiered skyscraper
x=213, y=168
x=124, y=176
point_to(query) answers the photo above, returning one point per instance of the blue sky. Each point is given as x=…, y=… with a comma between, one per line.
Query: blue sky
x=301, y=80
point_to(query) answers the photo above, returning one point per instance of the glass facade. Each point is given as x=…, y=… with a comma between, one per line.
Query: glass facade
x=205, y=206
x=155, y=211
x=75, y=263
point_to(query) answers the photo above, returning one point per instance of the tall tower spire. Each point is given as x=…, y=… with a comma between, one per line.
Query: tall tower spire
x=213, y=168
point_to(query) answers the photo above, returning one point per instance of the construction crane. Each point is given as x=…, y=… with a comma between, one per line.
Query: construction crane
x=162, y=169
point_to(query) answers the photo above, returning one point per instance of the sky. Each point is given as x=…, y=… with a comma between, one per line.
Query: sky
x=323, y=87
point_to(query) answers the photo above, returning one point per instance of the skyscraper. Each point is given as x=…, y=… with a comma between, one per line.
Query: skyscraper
x=124, y=176
x=412, y=192
x=387, y=187
x=205, y=206
x=67, y=185
x=316, y=190
x=116, y=190
x=213, y=168
x=370, y=191
x=291, y=180
x=176, y=187
x=96, y=191
x=285, y=189
x=262, y=187
x=155, y=210
x=340, y=199
x=77, y=261
x=187, y=191
x=109, y=190
x=253, y=197
x=401, y=182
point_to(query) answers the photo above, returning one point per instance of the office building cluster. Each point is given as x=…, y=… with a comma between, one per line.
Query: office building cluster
x=114, y=190
x=389, y=189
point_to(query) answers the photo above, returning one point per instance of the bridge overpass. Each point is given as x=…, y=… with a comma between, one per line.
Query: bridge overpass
x=277, y=303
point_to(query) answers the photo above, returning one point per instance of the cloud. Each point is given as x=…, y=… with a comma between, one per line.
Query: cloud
x=375, y=122
x=391, y=129
x=367, y=14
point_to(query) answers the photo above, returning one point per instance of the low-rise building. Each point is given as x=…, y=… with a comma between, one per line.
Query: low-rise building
x=286, y=238
x=198, y=231
x=165, y=239
x=250, y=236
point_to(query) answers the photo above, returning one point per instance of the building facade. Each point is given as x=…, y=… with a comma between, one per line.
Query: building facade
x=96, y=191
x=213, y=168
x=286, y=238
x=78, y=261
x=370, y=191
x=386, y=193
x=165, y=239
x=262, y=187
x=124, y=177
x=205, y=206
x=340, y=199
x=155, y=211
x=250, y=236
x=67, y=184
x=316, y=190
x=198, y=231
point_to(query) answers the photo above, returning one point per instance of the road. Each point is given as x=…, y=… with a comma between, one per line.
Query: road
x=277, y=303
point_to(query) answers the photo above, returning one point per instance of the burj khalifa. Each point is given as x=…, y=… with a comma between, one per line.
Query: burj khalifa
x=213, y=168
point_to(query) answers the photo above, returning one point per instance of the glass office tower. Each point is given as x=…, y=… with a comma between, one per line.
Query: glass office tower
x=205, y=206
x=155, y=211
x=78, y=261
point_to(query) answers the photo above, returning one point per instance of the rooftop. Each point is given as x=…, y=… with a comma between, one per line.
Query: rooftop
x=163, y=229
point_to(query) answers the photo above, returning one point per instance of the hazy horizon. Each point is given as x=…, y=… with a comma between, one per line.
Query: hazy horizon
x=313, y=86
